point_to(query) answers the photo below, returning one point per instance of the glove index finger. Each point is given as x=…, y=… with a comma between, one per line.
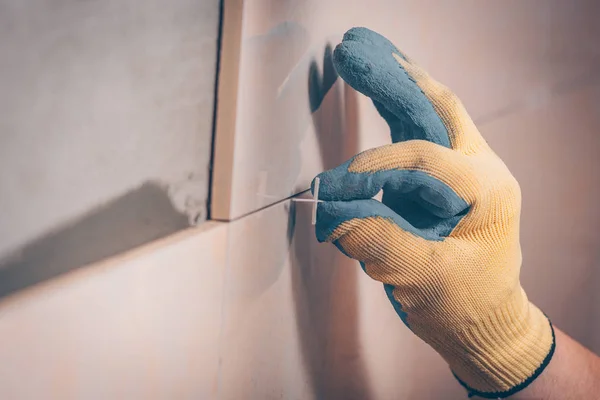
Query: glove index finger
x=404, y=166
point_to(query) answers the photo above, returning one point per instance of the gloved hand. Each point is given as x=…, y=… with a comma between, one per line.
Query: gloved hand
x=445, y=238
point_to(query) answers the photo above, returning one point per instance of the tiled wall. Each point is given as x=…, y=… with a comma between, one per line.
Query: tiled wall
x=254, y=308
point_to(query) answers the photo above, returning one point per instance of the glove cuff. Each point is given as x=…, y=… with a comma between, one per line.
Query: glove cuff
x=503, y=353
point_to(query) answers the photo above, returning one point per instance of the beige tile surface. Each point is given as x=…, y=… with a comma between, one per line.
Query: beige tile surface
x=552, y=149
x=498, y=56
x=144, y=325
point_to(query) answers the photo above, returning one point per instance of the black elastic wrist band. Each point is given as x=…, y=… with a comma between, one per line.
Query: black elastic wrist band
x=500, y=395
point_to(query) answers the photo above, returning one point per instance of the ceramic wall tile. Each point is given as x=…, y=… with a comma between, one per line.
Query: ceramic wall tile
x=552, y=149
x=302, y=321
x=279, y=108
x=144, y=325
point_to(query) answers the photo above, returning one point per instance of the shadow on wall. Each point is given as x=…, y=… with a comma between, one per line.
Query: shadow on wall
x=324, y=282
x=137, y=217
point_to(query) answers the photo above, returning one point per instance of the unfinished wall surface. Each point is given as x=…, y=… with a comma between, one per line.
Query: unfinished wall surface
x=142, y=326
x=106, y=112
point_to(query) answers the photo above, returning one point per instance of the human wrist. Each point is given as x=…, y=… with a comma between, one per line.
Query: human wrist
x=501, y=353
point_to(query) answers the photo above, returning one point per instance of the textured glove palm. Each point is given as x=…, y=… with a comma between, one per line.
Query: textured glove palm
x=445, y=238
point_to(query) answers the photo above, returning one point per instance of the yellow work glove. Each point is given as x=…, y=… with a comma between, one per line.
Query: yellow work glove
x=445, y=238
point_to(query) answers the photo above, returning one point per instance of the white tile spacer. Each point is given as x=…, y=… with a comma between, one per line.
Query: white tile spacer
x=307, y=200
x=316, y=199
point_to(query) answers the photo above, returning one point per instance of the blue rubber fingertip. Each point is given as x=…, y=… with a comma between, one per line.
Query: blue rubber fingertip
x=340, y=184
x=369, y=37
x=366, y=63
